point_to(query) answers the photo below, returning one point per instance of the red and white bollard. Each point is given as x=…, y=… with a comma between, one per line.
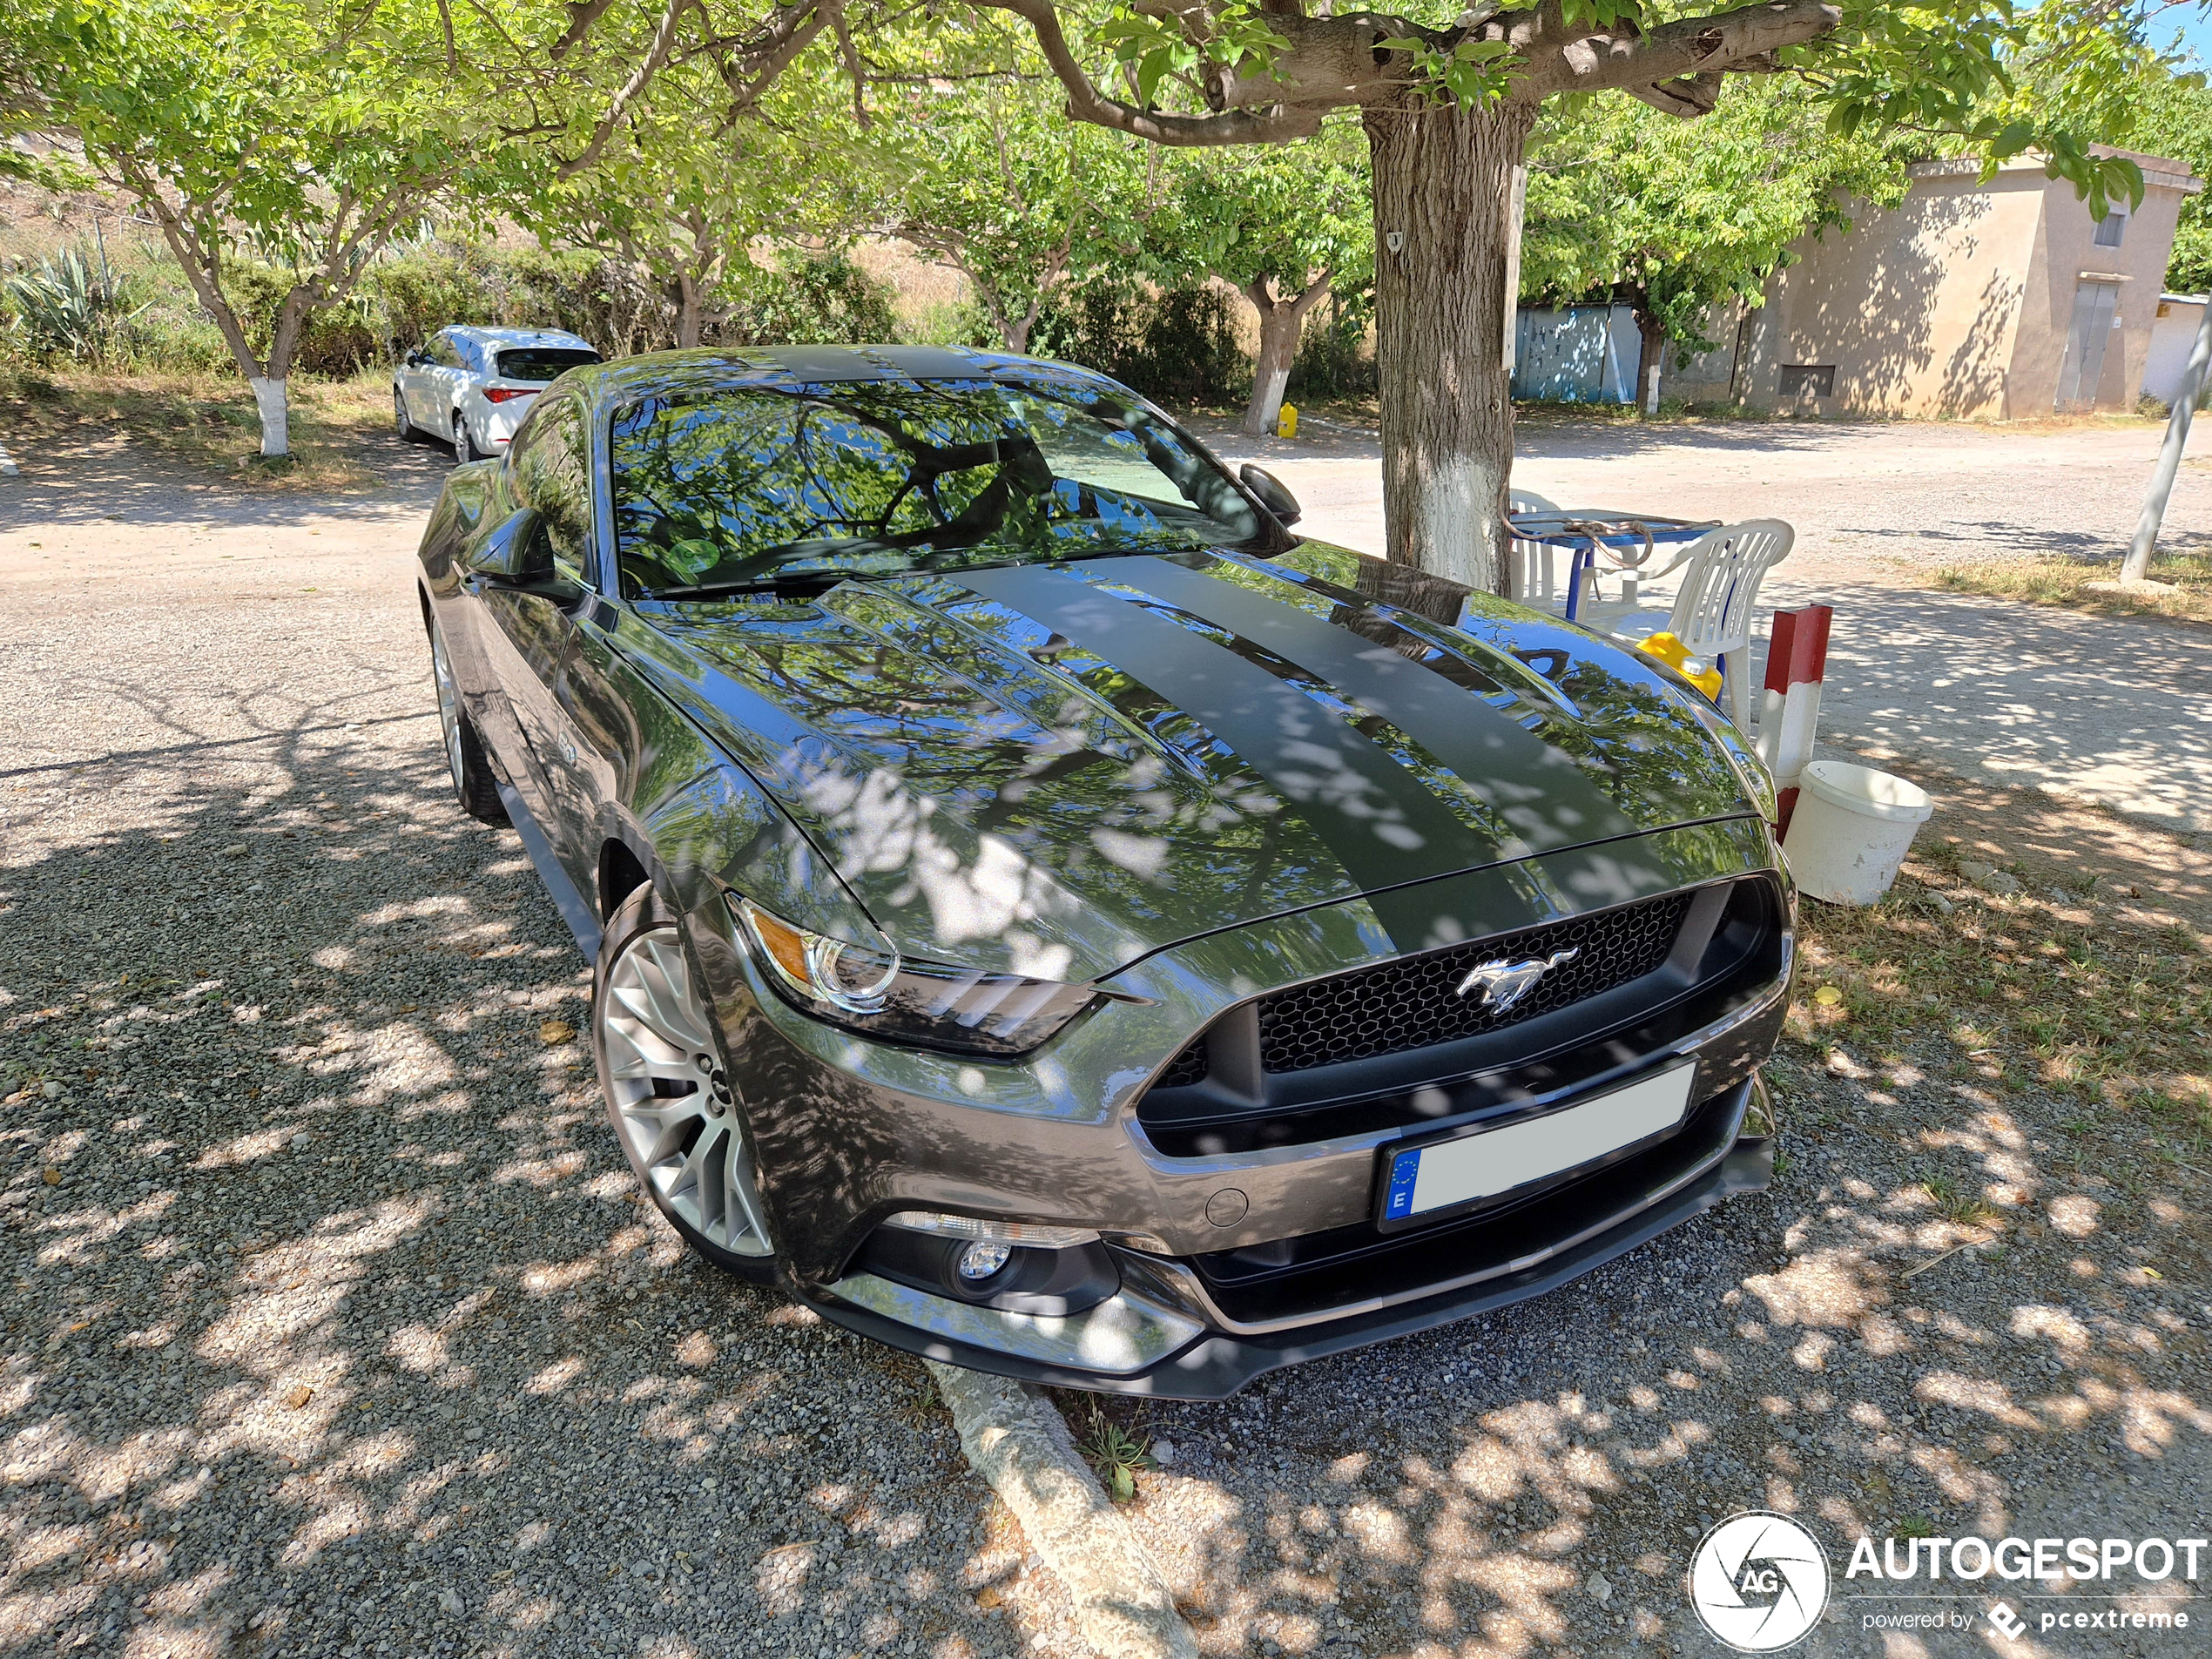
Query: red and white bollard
x=1796, y=658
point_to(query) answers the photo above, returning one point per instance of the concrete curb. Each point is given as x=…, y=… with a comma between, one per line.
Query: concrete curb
x=1021, y=1446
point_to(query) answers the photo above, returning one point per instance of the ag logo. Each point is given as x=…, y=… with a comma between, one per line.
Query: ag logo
x=1759, y=1582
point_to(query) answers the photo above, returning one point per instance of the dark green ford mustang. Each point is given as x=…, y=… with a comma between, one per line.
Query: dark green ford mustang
x=1047, y=915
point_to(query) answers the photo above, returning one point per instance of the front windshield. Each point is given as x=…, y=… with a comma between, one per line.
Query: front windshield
x=758, y=486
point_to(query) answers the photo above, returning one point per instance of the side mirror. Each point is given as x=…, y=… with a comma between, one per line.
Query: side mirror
x=1272, y=493
x=514, y=551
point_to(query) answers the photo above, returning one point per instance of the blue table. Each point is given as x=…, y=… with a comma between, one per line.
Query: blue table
x=1584, y=532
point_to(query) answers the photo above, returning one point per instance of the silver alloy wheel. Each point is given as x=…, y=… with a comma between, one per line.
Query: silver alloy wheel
x=449, y=707
x=672, y=1102
x=464, y=451
x=401, y=424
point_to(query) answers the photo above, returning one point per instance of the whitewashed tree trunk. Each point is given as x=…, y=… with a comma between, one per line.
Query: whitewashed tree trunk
x=269, y=396
x=1281, y=324
x=1444, y=188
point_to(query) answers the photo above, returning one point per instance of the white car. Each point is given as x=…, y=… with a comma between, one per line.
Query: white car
x=472, y=387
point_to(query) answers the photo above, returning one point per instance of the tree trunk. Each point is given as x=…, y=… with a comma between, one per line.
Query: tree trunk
x=1281, y=324
x=1443, y=182
x=271, y=387
x=689, y=310
x=1654, y=356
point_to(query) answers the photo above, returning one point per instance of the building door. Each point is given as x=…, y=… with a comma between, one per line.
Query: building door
x=2095, y=306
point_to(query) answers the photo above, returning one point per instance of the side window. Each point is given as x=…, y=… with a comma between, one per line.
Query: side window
x=445, y=353
x=552, y=474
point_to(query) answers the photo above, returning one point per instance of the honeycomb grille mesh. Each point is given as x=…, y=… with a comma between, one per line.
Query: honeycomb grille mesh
x=1187, y=1068
x=1414, y=1003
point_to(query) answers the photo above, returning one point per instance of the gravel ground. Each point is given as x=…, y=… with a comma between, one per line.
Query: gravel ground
x=337, y=1328
x=336, y=1324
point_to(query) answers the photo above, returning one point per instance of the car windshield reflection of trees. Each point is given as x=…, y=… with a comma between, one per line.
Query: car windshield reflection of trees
x=752, y=487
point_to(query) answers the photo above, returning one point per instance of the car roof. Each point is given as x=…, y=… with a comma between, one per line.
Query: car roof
x=717, y=369
x=557, y=339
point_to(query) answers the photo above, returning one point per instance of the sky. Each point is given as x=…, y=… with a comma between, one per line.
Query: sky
x=2196, y=34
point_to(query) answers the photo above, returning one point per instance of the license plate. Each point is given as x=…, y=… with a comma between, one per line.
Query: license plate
x=1418, y=1179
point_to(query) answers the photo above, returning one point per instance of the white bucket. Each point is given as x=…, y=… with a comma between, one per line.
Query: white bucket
x=1851, y=829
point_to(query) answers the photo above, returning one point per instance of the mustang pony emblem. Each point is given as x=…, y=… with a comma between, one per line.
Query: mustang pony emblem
x=1505, y=983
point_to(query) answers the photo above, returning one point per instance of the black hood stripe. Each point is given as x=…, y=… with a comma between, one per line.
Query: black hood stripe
x=1382, y=824
x=1547, y=800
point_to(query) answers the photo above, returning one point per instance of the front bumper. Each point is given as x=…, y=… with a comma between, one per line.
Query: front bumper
x=1211, y=1293
x=1165, y=1337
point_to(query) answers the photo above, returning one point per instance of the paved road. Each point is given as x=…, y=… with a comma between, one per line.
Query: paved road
x=2108, y=710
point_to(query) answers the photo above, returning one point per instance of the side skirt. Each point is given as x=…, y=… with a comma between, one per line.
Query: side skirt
x=574, y=909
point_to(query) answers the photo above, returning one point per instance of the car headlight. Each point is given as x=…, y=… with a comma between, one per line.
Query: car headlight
x=870, y=989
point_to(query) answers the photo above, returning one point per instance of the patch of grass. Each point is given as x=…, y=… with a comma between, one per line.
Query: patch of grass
x=2064, y=583
x=2105, y=999
x=1913, y=1527
x=1114, y=1453
x=205, y=421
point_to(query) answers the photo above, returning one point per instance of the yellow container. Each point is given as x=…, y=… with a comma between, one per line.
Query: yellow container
x=1671, y=651
x=1286, y=421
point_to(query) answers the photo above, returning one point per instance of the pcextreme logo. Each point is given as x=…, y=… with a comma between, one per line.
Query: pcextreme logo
x=1759, y=1582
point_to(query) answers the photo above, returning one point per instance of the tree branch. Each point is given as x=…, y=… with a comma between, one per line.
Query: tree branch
x=663, y=42
x=1682, y=62
x=1086, y=103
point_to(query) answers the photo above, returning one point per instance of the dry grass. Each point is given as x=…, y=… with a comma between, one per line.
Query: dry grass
x=205, y=421
x=2064, y=583
x=2093, y=983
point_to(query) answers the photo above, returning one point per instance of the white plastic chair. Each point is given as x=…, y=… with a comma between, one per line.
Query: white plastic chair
x=1528, y=565
x=1713, y=611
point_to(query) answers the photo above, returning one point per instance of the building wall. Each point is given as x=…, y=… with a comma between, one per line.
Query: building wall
x=2173, y=336
x=2067, y=255
x=1576, y=353
x=1958, y=302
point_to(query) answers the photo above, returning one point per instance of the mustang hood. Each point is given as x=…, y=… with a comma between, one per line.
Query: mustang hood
x=1057, y=770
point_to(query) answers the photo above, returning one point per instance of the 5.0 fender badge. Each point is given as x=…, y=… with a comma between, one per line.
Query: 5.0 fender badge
x=1505, y=983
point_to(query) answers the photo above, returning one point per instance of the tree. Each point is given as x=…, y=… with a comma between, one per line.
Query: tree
x=1280, y=225
x=1448, y=102
x=681, y=187
x=2176, y=122
x=304, y=133
x=979, y=177
x=1675, y=218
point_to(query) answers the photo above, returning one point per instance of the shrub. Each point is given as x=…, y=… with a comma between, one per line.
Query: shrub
x=1333, y=359
x=1176, y=346
x=807, y=299
x=62, y=308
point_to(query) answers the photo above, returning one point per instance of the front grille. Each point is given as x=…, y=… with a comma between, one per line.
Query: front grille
x=1414, y=1003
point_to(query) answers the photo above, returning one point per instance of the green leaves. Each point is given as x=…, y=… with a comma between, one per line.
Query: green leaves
x=1157, y=50
x=1471, y=73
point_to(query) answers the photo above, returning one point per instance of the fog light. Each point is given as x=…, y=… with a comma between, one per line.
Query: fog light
x=983, y=1258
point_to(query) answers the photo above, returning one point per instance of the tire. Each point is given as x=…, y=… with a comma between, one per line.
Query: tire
x=401, y=423
x=474, y=785
x=667, y=1090
x=464, y=447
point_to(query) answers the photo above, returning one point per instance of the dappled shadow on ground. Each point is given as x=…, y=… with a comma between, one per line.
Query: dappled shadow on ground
x=1534, y=1481
x=2108, y=709
x=335, y=1322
